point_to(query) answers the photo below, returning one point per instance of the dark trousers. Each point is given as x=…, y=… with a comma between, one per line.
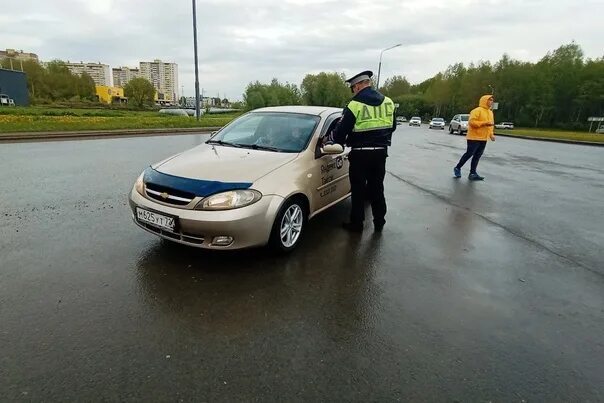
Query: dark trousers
x=474, y=151
x=367, y=171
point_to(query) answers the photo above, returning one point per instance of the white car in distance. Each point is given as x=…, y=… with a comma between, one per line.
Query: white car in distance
x=437, y=123
x=415, y=121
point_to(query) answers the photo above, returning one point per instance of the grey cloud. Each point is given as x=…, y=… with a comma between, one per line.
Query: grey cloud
x=241, y=41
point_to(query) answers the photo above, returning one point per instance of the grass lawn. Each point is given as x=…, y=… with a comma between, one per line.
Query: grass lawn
x=35, y=119
x=554, y=134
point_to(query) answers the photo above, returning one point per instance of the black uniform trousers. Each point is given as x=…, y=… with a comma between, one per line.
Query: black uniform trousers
x=367, y=171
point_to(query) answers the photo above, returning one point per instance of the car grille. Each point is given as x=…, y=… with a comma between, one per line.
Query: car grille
x=184, y=237
x=172, y=196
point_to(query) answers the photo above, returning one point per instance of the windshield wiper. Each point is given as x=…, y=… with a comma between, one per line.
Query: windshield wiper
x=223, y=143
x=261, y=147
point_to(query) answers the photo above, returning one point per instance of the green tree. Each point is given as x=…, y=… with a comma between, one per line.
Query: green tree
x=86, y=87
x=259, y=95
x=61, y=83
x=396, y=86
x=560, y=90
x=37, y=82
x=413, y=105
x=140, y=92
x=254, y=100
x=325, y=89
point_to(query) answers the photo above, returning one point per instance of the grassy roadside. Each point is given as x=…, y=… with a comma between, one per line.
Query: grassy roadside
x=554, y=134
x=39, y=119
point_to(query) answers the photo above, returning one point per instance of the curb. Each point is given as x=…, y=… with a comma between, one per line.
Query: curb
x=551, y=140
x=96, y=134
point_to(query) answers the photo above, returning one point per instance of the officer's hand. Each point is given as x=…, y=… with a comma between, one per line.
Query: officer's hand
x=492, y=137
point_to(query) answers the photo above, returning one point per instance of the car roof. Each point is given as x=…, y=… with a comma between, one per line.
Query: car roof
x=309, y=110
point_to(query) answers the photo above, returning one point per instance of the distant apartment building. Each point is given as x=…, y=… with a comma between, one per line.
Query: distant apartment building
x=163, y=76
x=17, y=55
x=122, y=75
x=100, y=73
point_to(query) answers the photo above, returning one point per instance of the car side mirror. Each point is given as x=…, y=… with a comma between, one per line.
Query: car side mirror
x=332, y=149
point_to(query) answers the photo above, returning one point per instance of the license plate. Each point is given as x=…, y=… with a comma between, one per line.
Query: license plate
x=159, y=220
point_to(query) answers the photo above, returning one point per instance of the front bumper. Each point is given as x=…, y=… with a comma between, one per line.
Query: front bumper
x=248, y=226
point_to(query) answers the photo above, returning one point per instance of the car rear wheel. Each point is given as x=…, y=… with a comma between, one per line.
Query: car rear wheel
x=289, y=226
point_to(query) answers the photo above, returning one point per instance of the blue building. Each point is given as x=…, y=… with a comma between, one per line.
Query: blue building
x=14, y=84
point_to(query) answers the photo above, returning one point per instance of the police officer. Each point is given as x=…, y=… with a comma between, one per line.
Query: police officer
x=366, y=126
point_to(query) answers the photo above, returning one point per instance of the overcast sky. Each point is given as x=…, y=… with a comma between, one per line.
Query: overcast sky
x=242, y=41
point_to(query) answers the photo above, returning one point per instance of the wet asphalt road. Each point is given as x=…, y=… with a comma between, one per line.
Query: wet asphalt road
x=487, y=291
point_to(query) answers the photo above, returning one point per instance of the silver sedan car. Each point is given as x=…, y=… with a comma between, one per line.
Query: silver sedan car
x=438, y=123
x=255, y=182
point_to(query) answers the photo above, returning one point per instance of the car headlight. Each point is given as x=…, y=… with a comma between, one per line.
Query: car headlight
x=229, y=200
x=139, y=185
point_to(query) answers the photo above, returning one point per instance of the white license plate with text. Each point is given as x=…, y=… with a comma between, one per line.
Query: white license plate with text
x=159, y=220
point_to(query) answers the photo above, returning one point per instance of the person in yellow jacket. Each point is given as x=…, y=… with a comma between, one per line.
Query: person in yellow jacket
x=480, y=129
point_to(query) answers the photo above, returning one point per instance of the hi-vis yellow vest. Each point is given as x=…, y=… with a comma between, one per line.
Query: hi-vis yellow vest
x=372, y=117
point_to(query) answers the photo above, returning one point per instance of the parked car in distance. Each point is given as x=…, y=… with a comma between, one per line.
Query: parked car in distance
x=459, y=124
x=437, y=123
x=6, y=101
x=400, y=119
x=504, y=125
x=415, y=121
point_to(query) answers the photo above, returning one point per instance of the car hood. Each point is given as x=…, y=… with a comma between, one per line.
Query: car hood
x=225, y=164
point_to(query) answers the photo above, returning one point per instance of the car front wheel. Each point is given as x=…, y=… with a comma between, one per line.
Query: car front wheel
x=289, y=226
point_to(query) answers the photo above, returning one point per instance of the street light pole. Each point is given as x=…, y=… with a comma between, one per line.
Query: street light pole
x=196, y=68
x=380, y=66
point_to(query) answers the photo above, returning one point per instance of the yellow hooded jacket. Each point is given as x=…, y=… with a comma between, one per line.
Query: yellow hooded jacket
x=478, y=117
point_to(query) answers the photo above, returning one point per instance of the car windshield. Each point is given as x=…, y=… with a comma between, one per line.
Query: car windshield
x=464, y=118
x=437, y=120
x=415, y=118
x=272, y=131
